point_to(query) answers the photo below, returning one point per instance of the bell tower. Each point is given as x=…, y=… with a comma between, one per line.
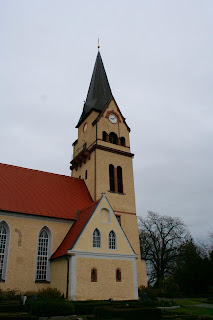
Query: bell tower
x=102, y=157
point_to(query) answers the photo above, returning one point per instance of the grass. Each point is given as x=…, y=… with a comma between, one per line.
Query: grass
x=187, y=307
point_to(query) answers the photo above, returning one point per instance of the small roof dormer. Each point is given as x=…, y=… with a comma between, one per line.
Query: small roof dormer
x=99, y=93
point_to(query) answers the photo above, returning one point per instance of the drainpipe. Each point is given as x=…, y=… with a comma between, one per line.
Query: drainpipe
x=68, y=271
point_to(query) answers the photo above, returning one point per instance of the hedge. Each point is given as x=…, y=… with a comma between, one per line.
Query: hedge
x=128, y=313
x=48, y=308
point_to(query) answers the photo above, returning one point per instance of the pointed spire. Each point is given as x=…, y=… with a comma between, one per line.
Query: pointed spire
x=99, y=93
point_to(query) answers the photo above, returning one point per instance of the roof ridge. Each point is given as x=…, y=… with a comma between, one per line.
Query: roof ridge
x=51, y=173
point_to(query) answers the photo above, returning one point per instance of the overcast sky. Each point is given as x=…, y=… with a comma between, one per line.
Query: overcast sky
x=158, y=56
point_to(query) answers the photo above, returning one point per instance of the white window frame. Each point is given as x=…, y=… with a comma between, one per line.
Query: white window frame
x=96, y=239
x=112, y=240
x=6, y=250
x=49, y=250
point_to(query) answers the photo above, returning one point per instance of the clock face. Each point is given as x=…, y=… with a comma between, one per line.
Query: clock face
x=85, y=127
x=113, y=118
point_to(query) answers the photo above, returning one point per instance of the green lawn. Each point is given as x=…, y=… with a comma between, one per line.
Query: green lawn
x=187, y=307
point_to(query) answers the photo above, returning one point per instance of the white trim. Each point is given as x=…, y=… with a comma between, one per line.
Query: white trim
x=7, y=249
x=73, y=277
x=34, y=217
x=103, y=255
x=135, y=280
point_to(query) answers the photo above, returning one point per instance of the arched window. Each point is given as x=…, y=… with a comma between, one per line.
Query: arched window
x=119, y=179
x=123, y=143
x=113, y=138
x=43, y=254
x=118, y=275
x=104, y=136
x=94, y=275
x=96, y=239
x=4, y=248
x=112, y=240
x=86, y=175
x=111, y=178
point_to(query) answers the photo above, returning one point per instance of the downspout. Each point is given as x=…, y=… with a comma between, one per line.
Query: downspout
x=68, y=271
x=95, y=161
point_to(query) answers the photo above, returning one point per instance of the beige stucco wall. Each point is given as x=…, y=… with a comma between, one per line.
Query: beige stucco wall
x=89, y=135
x=59, y=274
x=85, y=241
x=90, y=167
x=22, y=259
x=106, y=286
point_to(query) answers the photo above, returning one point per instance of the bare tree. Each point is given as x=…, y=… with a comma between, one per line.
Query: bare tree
x=160, y=240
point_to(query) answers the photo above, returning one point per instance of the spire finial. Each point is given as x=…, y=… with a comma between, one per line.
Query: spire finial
x=98, y=44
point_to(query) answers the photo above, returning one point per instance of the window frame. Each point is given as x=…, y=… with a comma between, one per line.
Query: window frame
x=118, y=276
x=49, y=250
x=94, y=275
x=6, y=251
x=95, y=240
x=112, y=241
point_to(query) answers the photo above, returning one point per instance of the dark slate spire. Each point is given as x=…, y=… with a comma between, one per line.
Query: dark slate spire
x=99, y=93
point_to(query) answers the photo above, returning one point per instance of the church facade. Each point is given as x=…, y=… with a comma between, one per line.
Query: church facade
x=78, y=234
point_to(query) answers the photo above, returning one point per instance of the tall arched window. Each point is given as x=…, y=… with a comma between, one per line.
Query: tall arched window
x=119, y=179
x=111, y=178
x=96, y=239
x=4, y=248
x=112, y=240
x=122, y=139
x=104, y=136
x=113, y=138
x=43, y=255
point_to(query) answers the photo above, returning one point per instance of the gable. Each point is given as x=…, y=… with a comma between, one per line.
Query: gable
x=103, y=219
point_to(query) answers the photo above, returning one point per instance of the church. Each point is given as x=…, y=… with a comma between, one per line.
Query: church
x=78, y=234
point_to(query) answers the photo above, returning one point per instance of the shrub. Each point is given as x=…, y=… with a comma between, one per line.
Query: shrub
x=88, y=307
x=48, y=293
x=128, y=313
x=9, y=295
x=48, y=308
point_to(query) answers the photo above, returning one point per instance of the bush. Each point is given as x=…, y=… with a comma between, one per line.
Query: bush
x=48, y=308
x=128, y=313
x=48, y=293
x=88, y=307
x=9, y=295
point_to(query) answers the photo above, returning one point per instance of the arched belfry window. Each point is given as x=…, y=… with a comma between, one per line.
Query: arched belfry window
x=96, y=239
x=43, y=255
x=119, y=179
x=112, y=240
x=111, y=178
x=113, y=138
x=4, y=249
x=123, y=143
x=104, y=136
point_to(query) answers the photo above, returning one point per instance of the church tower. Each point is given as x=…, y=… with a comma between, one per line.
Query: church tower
x=103, y=159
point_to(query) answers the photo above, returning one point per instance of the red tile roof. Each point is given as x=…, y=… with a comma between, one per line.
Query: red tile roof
x=41, y=193
x=75, y=231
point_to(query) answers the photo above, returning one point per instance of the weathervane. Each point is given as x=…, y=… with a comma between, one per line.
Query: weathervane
x=98, y=44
